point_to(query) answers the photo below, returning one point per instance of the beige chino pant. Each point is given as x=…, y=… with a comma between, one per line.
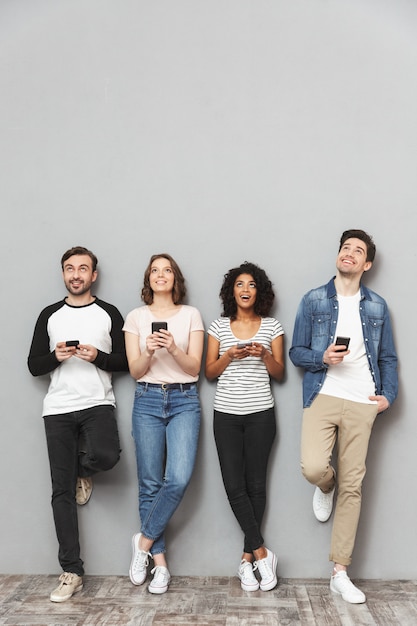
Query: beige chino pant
x=327, y=421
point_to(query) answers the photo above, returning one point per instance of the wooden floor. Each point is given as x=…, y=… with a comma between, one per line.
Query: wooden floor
x=203, y=601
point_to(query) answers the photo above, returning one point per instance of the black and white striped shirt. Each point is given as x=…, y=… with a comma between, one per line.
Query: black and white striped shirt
x=244, y=386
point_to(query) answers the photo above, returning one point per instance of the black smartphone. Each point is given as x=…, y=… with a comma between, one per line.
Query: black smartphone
x=244, y=344
x=72, y=342
x=342, y=341
x=157, y=326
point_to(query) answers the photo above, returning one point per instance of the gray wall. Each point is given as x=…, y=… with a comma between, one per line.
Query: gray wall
x=218, y=131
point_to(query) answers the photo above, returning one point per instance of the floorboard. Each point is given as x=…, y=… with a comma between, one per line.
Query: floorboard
x=204, y=601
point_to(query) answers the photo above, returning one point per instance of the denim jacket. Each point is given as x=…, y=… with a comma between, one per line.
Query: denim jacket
x=314, y=331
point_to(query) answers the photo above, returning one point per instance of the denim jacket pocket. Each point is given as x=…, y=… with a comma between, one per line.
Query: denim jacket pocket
x=321, y=324
x=375, y=327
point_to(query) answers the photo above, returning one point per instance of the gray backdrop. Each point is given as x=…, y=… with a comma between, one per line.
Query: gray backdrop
x=217, y=131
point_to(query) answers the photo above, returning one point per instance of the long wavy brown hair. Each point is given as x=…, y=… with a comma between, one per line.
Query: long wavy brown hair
x=178, y=292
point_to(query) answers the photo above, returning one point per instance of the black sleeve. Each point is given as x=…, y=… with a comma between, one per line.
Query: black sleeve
x=116, y=361
x=41, y=360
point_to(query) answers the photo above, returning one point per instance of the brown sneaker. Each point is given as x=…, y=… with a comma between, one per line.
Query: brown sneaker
x=70, y=584
x=83, y=490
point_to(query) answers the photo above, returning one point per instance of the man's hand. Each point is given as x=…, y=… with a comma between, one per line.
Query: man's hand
x=64, y=352
x=85, y=352
x=335, y=354
x=381, y=401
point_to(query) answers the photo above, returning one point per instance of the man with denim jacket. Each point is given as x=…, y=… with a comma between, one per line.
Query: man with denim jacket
x=345, y=387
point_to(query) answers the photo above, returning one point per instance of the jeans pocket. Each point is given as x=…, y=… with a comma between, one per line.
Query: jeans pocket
x=191, y=393
x=139, y=391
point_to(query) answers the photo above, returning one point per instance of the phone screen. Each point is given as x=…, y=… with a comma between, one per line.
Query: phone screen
x=157, y=326
x=342, y=341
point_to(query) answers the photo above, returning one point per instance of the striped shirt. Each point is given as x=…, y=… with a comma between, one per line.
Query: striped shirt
x=244, y=386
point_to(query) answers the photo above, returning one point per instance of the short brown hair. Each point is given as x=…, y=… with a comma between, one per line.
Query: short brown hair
x=79, y=250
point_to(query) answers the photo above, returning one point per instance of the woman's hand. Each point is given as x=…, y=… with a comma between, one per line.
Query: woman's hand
x=163, y=339
x=257, y=349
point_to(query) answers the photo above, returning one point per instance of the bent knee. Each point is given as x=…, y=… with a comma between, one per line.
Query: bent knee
x=314, y=472
x=108, y=460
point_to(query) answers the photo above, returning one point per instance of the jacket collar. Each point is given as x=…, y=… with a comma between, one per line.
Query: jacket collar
x=331, y=290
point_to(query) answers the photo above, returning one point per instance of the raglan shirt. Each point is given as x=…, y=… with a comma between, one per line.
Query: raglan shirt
x=76, y=384
x=244, y=387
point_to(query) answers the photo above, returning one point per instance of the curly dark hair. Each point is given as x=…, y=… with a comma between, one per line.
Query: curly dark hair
x=179, y=290
x=264, y=292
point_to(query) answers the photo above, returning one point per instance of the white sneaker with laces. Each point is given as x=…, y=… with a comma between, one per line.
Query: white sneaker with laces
x=248, y=580
x=323, y=504
x=267, y=569
x=139, y=564
x=70, y=583
x=160, y=581
x=341, y=584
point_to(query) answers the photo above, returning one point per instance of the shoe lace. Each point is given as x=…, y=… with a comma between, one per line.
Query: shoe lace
x=141, y=559
x=324, y=499
x=264, y=568
x=247, y=568
x=345, y=583
x=81, y=487
x=160, y=573
x=67, y=578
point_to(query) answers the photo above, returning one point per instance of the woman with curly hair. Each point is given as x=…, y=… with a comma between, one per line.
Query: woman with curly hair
x=245, y=348
x=165, y=361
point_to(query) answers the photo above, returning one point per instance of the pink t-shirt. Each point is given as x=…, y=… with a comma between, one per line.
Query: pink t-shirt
x=163, y=367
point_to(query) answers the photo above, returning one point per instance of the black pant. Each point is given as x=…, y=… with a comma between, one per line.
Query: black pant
x=80, y=443
x=243, y=444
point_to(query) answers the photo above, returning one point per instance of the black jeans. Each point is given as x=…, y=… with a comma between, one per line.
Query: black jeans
x=80, y=443
x=244, y=443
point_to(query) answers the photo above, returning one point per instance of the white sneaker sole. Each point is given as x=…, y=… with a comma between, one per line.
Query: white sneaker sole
x=67, y=597
x=359, y=599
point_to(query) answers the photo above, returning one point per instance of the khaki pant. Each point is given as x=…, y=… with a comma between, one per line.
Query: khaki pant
x=326, y=421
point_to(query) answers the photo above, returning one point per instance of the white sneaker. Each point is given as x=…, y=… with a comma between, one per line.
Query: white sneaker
x=248, y=580
x=341, y=584
x=267, y=569
x=323, y=504
x=70, y=583
x=160, y=581
x=139, y=564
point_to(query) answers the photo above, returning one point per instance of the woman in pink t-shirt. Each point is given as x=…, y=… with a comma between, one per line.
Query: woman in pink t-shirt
x=164, y=345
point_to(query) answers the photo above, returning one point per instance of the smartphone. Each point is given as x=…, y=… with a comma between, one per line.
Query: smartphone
x=244, y=344
x=72, y=342
x=157, y=326
x=342, y=341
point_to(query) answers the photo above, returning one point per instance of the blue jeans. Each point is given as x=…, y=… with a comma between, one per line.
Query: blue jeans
x=165, y=428
x=80, y=443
